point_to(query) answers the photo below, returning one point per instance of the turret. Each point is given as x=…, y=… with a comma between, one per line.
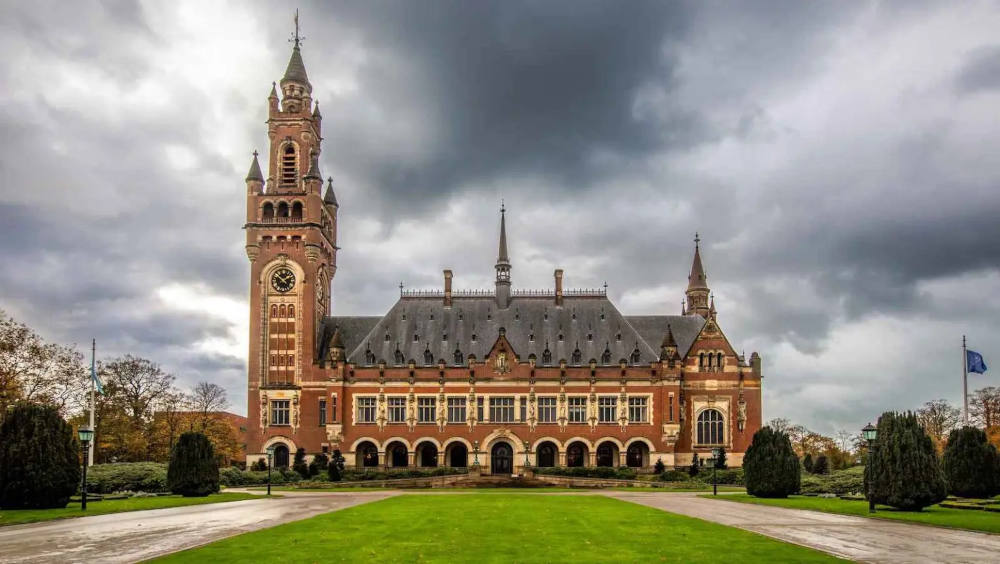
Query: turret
x=668, y=348
x=295, y=87
x=255, y=178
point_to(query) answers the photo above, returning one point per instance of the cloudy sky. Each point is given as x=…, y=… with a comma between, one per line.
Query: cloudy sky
x=840, y=161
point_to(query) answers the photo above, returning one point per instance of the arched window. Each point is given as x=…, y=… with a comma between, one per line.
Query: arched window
x=283, y=209
x=710, y=427
x=281, y=311
x=297, y=210
x=718, y=361
x=458, y=357
x=291, y=311
x=274, y=310
x=701, y=359
x=546, y=357
x=289, y=165
x=635, y=356
x=577, y=356
x=291, y=360
x=268, y=213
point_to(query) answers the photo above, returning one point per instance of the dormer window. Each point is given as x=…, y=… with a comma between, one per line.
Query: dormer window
x=289, y=165
x=473, y=337
x=399, y=357
x=590, y=336
x=577, y=356
x=416, y=338
x=635, y=356
x=444, y=337
x=387, y=337
x=458, y=357
x=618, y=337
x=606, y=356
x=428, y=356
x=546, y=356
x=369, y=357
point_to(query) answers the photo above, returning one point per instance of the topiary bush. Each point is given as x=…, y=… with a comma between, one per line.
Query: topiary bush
x=659, y=467
x=807, y=462
x=259, y=466
x=770, y=467
x=904, y=471
x=822, y=465
x=299, y=463
x=695, y=466
x=318, y=464
x=335, y=469
x=674, y=476
x=839, y=482
x=971, y=464
x=193, y=471
x=39, y=459
x=127, y=477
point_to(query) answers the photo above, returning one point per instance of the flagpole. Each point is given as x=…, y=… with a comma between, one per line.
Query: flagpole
x=965, y=383
x=93, y=399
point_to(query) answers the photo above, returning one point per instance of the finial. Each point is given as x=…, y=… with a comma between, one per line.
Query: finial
x=400, y=287
x=697, y=239
x=255, y=153
x=502, y=208
x=295, y=37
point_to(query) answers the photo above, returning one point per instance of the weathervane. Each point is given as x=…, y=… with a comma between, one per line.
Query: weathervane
x=296, y=38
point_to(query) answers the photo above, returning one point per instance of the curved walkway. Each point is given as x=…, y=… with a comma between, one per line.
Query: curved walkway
x=139, y=535
x=856, y=538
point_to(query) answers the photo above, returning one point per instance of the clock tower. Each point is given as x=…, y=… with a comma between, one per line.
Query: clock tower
x=291, y=241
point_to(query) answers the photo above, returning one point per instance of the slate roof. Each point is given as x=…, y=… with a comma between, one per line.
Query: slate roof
x=296, y=70
x=593, y=324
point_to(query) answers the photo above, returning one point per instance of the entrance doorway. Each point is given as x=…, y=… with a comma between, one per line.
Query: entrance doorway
x=502, y=459
x=459, y=455
x=281, y=456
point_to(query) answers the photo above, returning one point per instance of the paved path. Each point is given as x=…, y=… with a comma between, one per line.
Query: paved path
x=856, y=538
x=138, y=535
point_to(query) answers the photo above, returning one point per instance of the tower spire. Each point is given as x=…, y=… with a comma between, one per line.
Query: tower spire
x=295, y=72
x=697, y=290
x=503, y=264
x=255, y=173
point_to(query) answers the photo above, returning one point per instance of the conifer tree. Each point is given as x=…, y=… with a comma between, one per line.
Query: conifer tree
x=807, y=462
x=193, y=471
x=39, y=458
x=659, y=467
x=821, y=465
x=770, y=466
x=695, y=466
x=720, y=462
x=971, y=464
x=335, y=470
x=318, y=464
x=904, y=471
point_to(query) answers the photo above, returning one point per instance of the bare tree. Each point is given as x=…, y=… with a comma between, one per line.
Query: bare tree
x=984, y=407
x=845, y=439
x=938, y=418
x=207, y=400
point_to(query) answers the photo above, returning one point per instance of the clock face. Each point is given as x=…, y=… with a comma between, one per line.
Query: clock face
x=283, y=280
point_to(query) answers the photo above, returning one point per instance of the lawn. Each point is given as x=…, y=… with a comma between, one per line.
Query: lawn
x=986, y=521
x=492, y=528
x=19, y=516
x=504, y=490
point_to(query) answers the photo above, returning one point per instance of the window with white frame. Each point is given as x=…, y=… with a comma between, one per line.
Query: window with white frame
x=366, y=409
x=425, y=409
x=547, y=410
x=397, y=409
x=524, y=409
x=456, y=410
x=577, y=409
x=607, y=409
x=638, y=409
x=280, y=412
x=502, y=410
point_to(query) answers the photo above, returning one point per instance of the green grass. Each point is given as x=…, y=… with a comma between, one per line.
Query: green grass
x=19, y=516
x=986, y=521
x=492, y=528
x=504, y=490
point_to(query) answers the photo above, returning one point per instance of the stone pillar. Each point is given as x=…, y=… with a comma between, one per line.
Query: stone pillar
x=592, y=458
x=562, y=458
x=410, y=458
x=559, y=286
x=381, y=458
x=441, y=461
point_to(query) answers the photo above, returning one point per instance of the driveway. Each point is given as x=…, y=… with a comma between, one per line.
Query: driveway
x=138, y=535
x=856, y=538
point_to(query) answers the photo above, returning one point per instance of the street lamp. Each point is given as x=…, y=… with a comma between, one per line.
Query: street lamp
x=716, y=453
x=270, y=457
x=86, y=434
x=870, y=433
x=475, y=447
x=527, y=445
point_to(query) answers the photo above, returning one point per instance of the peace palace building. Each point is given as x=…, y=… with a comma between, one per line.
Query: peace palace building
x=558, y=377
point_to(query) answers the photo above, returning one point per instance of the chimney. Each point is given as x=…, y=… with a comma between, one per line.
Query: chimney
x=559, y=289
x=447, y=288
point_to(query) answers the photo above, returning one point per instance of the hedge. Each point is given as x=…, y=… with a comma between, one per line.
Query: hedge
x=606, y=472
x=127, y=477
x=233, y=477
x=840, y=482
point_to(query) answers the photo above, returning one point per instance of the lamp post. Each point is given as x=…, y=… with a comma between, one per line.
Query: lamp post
x=86, y=434
x=716, y=452
x=475, y=449
x=870, y=433
x=270, y=457
x=527, y=445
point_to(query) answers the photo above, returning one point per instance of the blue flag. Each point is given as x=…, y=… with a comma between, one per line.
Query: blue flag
x=97, y=381
x=974, y=362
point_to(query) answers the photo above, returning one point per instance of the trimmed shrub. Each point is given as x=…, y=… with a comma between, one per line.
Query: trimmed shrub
x=674, y=476
x=299, y=463
x=971, y=464
x=659, y=467
x=695, y=466
x=720, y=462
x=807, y=462
x=260, y=465
x=840, y=482
x=729, y=477
x=904, y=472
x=39, y=459
x=608, y=472
x=231, y=476
x=335, y=469
x=193, y=471
x=318, y=464
x=770, y=466
x=822, y=465
x=127, y=477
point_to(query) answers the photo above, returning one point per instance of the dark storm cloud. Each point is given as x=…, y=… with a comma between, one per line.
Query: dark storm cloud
x=840, y=193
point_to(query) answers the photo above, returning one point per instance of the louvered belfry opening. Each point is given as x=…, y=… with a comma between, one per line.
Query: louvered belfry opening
x=288, y=165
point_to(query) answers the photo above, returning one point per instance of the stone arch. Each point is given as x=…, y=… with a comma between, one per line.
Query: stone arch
x=608, y=452
x=366, y=454
x=280, y=439
x=426, y=453
x=612, y=439
x=405, y=442
x=508, y=436
x=547, y=453
x=553, y=440
x=638, y=453
x=648, y=442
x=583, y=440
x=357, y=443
x=456, y=452
x=578, y=452
x=397, y=453
x=452, y=440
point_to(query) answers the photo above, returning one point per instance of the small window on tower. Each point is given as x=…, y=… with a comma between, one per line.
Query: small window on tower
x=288, y=165
x=274, y=310
x=291, y=311
x=281, y=310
